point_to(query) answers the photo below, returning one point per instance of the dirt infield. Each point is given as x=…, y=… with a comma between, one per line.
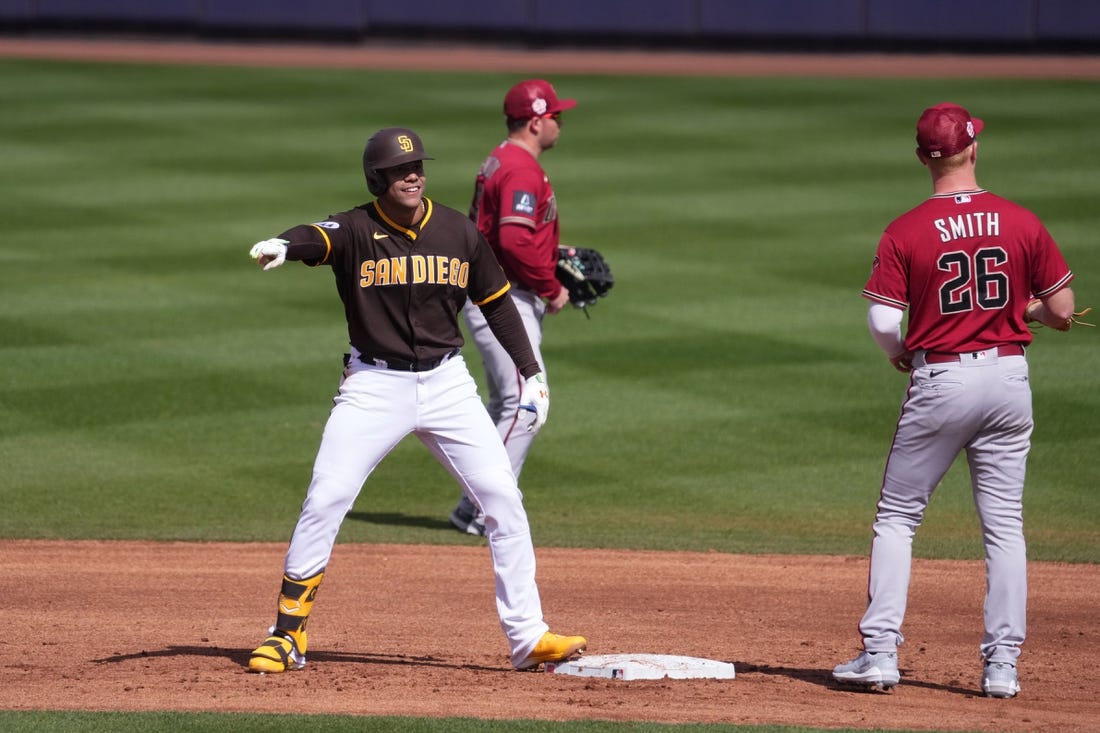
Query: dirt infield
x=410, y=630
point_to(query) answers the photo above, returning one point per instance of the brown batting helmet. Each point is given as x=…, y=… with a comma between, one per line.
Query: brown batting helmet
x=387, y=148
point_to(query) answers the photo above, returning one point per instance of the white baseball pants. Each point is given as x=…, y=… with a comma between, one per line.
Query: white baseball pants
x=984, y=409
x=374, y=410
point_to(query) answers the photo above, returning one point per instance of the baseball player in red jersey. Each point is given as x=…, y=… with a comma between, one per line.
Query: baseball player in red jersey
x=972, y=268
x=515, y=208
x=404, y=266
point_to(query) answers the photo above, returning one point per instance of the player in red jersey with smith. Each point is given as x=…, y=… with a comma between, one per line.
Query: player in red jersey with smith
x=972, y=268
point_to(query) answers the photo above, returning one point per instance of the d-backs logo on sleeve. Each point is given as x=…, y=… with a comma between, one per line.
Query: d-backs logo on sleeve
x=414, y=270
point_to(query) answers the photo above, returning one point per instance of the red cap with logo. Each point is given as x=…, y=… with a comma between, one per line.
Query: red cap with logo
x=946, y=129
x=534, y=98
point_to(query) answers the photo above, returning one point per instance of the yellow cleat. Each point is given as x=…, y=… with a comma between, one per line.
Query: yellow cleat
x=553, y=648
x=283, y=651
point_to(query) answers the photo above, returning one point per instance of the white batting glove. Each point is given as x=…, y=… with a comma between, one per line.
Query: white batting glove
x=535, y=398
x=270, y=253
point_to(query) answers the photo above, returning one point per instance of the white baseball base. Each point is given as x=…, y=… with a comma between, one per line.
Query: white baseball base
x=643, y=667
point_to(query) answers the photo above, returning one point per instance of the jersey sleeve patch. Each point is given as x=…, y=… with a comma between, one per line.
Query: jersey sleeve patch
x=523, y=202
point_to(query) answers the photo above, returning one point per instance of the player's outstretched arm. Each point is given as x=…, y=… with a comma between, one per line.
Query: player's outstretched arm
x=303, y=243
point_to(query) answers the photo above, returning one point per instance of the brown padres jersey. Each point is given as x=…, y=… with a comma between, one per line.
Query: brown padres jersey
x=402, y=288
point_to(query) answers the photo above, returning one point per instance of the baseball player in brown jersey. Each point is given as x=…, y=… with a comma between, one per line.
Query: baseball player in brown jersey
x=515, y=208
x=404, y=266
x=973, y=269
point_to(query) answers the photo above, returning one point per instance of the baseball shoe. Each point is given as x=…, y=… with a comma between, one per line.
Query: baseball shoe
x=999, y=680
x=466, y=517
x=553, y=648
x=877, y=670
x=283, y=651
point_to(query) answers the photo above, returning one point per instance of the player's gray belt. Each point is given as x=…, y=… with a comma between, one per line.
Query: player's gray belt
x=401, y=365
x=945, y=357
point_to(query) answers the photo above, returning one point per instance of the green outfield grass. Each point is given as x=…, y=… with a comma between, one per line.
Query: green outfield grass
x=727, y=396
x=208, y=722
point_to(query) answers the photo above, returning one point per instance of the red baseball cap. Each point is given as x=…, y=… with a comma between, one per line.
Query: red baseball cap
x=534, y=98
x=946, y=129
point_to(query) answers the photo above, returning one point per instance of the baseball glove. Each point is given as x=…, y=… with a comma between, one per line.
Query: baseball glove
x=585, y=274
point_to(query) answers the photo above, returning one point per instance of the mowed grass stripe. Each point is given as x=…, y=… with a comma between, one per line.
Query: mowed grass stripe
x=153, y=383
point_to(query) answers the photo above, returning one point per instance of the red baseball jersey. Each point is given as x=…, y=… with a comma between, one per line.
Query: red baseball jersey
x=965, y=264
x=512, y=188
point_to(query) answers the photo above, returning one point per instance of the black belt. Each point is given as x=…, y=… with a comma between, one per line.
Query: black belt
x=402, y=365
x=943, y=357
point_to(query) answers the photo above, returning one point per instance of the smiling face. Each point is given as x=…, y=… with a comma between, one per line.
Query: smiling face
x=406, y=185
